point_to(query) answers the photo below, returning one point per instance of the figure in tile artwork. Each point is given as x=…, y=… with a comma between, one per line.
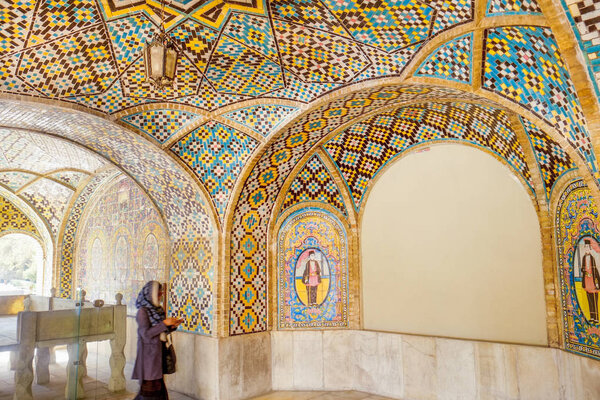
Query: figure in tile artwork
x=312, y=278
x=590, y=279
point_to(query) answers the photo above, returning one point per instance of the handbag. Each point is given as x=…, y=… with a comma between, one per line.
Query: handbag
x=169, y=358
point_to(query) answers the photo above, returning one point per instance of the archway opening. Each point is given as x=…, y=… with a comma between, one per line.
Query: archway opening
x=21, y=265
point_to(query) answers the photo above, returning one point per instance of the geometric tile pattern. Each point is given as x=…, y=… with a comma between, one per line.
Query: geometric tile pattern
x=261, y=119
x=317, y=56
x=128, y=36
x=523, y=64
x=89, y=53
x=583, y=16
x=362, y=150
x=512, y=7
x=67, y=240
x=71, y=178
x=451, y=13
x=314, y=183
x=183, y=206
x=238, y=69
x=14, y=24
x=255, y=32
x=388, y=25
x=160, y=124
x=42, y=153
x=253, y=207
x=50, y=20
x=12, y=219
x=216, y=153
x=453, y=60
x=50, y=200
x=552, y=160
x=72, y=65
x=15, y=179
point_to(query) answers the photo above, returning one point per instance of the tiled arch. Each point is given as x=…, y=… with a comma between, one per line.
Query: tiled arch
x=186, y=210
x=257, y=193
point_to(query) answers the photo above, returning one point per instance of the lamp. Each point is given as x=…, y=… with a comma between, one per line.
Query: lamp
x=160, y=58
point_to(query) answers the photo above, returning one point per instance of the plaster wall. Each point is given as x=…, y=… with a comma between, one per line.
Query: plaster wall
x=451, y=247
x=419, y=367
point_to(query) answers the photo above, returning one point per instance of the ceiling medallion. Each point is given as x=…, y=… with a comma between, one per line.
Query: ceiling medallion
x=160, y=57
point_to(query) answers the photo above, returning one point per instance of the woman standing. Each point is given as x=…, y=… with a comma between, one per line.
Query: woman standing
x=153, y=326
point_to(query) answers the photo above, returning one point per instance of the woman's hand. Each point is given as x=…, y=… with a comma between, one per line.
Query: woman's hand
x=174, y=322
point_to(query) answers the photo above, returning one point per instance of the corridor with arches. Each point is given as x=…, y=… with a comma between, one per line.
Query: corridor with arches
x=357, y=199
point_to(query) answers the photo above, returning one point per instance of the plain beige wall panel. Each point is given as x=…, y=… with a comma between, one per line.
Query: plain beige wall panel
x=451, y=246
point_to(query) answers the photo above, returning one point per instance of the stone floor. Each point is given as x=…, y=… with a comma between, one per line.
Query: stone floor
x=319, y=396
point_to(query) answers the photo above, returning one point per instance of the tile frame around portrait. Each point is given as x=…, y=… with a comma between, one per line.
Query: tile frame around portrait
x=288, y=223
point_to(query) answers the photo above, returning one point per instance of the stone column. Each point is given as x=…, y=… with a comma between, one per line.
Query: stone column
x=42, y=364
x=14, y=356
x=117, y=346
x=76, y=370
x=24, y=369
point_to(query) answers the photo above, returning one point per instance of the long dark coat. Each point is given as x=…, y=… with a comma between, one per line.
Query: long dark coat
x=148, y=362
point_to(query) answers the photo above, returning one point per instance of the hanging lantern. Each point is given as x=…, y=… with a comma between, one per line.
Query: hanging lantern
x=160, y=58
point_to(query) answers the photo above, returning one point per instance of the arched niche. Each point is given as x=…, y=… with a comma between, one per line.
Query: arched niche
x=122, y=215
x=312, y=271
x=451, y=246
x=577, y=228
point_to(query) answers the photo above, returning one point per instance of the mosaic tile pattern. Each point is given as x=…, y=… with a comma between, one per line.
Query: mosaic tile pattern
x=451, y=13
x=583, y=16
x=552, y=160
x=216, y=153
x=128, y=36
x=523, y=64
x=514, y=7
x=73, y=65
x=316, y=56
x=13, y=219
x=209, y=12
x=255, y=32
x=453, y=61
x=50, y=199
x=312, y=14
x=237, y=69
x=261, y=119
x=314, y=183
x=198, y=40
x=181, y=203
x=389, y=25
x=282, y=49
x=67, y=243
x=14, y=24
x=315, y=231
x=41, y=153
x=71, y=178
x=248, y=255
x=160, y=124
x=15, y=179
x=362, y=150
x=51, y=20
x=576, y=219
x=135, y=85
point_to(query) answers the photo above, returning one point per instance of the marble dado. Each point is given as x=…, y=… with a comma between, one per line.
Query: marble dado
x=387, y=364
x=422, y=368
